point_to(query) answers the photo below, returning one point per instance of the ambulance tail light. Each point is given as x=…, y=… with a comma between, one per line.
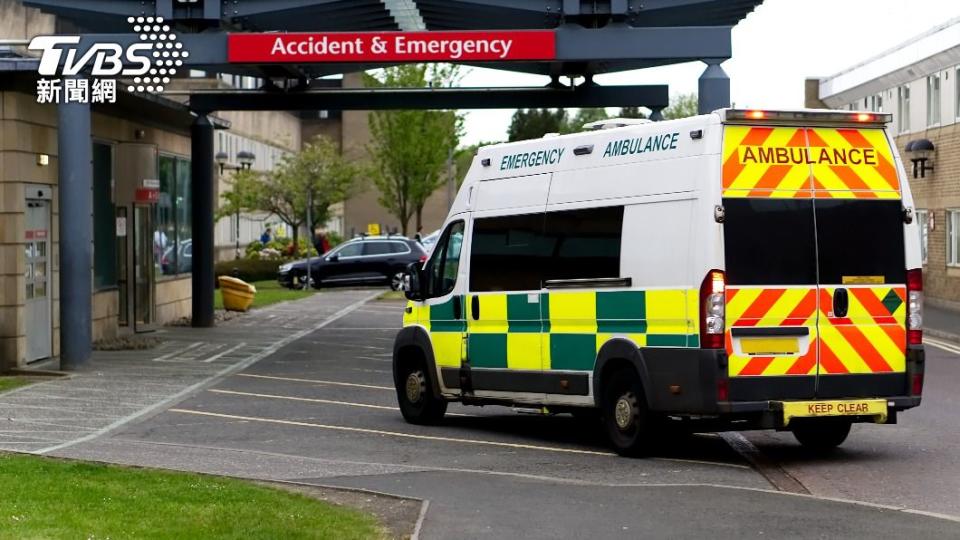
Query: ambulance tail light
x=914, y=307
x=723, y=389
x=712, y=310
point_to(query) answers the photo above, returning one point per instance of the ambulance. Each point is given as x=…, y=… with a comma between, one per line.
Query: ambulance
x=737, y=270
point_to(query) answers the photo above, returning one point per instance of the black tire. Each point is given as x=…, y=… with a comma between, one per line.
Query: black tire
x=626, y=418
x=418, y=405
x=821, y=435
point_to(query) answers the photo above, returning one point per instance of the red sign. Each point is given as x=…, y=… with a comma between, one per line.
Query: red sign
x=147, y=195
x=472, y=46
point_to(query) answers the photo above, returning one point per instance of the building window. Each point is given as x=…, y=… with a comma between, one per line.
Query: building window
x=953, y=237
x=172, y=237
x=903, y=109
x=933, y=100
x=923, y=224
x=874, y=103
x=956, y=83
x=104, y=221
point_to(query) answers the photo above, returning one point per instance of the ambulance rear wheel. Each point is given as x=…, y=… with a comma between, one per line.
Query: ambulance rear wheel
x=418, y=405
x=625, y=415
x=821, y=434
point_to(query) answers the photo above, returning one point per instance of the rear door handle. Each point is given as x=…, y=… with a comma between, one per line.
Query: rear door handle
x=841, y=302
x=457, y=308
x=475, y=307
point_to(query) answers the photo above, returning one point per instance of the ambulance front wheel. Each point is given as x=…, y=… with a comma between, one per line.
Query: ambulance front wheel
x=624, y=411
x=820, y=434
x=418, y=405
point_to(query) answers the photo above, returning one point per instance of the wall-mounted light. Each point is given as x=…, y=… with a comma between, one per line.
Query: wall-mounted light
x=244, y=158
x=920, y=151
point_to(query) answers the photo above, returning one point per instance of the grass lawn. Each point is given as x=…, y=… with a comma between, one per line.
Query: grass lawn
x=268, y=292
x=47, y=498
x=392, y=295
x=9, y=383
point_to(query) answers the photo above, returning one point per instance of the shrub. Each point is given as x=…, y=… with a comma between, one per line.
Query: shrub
x=248, y=269
x=334, y=238
x=254, y=247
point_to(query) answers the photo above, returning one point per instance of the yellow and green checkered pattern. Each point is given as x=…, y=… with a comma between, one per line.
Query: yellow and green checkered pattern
x=557, y=330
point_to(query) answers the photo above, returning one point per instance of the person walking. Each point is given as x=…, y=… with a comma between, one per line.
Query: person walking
x=265, y=237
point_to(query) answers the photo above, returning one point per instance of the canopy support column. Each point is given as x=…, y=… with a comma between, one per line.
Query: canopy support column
x=202, y=192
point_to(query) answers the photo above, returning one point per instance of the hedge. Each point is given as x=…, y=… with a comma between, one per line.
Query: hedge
x=248, y=269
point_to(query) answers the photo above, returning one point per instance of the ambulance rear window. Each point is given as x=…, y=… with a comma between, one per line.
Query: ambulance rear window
x=860, y=240
x=769, y=242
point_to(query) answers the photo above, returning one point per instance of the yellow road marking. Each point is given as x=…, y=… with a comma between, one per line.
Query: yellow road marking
x=394, y=433
x=315, y=381
x=317, y=400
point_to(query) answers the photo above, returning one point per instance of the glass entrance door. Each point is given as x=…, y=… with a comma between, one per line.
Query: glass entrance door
x=144, y=261
x=37, y=274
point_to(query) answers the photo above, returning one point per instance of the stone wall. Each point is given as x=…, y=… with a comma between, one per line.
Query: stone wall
x=937, y=192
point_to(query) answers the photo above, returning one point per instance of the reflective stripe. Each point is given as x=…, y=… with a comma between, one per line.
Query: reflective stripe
x=792, y=162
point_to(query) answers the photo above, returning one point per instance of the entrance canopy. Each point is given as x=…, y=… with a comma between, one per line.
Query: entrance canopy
x=291, y=44
x=592, y=36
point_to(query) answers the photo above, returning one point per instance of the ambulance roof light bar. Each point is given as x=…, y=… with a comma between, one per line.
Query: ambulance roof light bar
x=805, y=117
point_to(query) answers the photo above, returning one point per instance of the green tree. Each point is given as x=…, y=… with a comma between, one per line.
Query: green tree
x=631, y=112
x=240, y=198
x=318, y=173
x=410, y=149
x=681, y=106
x=463, y=159
x=585, y=116
x=535, y=123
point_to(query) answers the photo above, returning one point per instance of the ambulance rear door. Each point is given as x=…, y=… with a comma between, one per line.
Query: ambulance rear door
x=814, y=251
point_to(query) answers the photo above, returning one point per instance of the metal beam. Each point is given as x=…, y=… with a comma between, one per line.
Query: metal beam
x=621, y=42
x=575, y=45
x=652, y=96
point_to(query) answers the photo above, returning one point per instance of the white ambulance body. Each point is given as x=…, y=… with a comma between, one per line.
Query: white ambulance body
x=750, y=268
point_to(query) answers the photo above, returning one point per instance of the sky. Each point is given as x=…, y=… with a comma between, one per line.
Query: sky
x=775, y=48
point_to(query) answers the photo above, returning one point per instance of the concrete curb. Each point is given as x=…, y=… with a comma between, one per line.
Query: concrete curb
x=949, y=336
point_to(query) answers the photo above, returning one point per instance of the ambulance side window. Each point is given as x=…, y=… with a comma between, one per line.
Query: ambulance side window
x=508, y=253
x=584, y=244
x=444, y=265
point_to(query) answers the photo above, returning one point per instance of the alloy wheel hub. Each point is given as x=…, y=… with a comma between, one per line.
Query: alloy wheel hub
x=625, y=410
x=415, y=386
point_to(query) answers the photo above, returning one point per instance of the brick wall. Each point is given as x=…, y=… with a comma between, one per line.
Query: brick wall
x=937, y=192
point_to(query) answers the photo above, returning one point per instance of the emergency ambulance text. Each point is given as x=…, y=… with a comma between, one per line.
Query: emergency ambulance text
x=531, y=159
x=807, y=156
x=639, y=145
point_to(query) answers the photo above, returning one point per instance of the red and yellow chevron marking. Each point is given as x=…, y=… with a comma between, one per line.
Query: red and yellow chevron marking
x=772, y=307
x=790, y=162
x=871, y=338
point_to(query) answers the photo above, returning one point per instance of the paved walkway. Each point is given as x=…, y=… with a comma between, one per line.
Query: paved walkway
x=119, y=387
x=941, y=323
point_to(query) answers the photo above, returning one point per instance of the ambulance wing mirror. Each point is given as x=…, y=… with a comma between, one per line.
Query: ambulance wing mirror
x=411, y=282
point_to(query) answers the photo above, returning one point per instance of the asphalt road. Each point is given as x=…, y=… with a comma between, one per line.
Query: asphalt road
x=322, y=410
x=914, y=464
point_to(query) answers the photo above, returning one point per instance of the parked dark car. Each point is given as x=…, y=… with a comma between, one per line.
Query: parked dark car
x=365, y=260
